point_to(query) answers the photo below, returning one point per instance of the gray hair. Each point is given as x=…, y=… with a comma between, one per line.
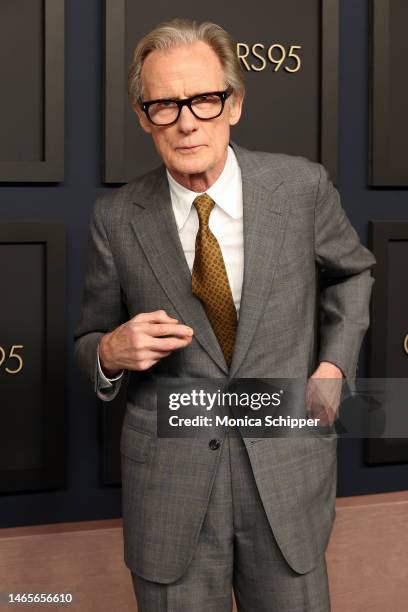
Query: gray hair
x=175, y=32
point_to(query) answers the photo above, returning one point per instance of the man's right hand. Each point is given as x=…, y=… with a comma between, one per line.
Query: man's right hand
x=139, y=343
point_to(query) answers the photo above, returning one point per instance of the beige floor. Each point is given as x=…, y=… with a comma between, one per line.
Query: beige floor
x=367, y=560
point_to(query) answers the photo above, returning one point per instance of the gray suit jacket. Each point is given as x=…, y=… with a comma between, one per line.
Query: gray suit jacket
x=294, y=225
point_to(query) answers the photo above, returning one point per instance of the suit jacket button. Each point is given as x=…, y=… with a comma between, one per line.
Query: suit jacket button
x=214, y=444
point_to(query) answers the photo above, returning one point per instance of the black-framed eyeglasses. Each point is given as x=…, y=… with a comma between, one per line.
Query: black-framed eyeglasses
x=204, y=106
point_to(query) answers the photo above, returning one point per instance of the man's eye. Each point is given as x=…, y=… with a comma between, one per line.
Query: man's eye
x=164, y=105
x=206, y=99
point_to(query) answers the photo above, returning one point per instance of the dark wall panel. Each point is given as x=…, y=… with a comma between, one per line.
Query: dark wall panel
x=22, y=334
x=389, y=93
x=21, y=73
x=389, y=327
x=32, y=356
x=32, y=90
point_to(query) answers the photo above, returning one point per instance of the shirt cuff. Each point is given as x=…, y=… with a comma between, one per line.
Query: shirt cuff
x=104, y=381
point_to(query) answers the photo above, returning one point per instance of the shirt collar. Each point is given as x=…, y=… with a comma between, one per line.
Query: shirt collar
x=223, y=192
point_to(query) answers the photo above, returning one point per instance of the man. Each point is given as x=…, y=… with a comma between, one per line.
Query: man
x=206, y=268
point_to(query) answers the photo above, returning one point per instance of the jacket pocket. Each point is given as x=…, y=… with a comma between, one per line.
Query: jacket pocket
x=135, y=444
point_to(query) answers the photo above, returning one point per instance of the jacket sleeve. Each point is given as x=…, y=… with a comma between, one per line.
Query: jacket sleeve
x=102, y=306
x=345, y=280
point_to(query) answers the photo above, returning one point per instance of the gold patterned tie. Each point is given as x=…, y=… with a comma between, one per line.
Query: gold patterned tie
x=210, y=281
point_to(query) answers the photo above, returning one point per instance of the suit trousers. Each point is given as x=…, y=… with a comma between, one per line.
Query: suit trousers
x=236, y=549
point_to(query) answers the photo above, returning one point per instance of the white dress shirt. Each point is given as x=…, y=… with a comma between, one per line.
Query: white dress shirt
x=226, y=223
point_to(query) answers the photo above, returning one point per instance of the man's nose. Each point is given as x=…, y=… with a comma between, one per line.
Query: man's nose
x=187, y=122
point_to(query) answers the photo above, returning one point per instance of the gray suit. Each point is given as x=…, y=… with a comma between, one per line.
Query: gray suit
x=293, y=224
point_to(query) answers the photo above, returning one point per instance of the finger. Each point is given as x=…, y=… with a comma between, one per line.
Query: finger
x=168, y=344
x=153, y=354
x=143, y=365
x=308, y=396
x=158, y=316
x=170, y=329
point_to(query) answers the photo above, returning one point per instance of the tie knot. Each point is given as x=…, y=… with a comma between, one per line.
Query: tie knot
x=204, y=205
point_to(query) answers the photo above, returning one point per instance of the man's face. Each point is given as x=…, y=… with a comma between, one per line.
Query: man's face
x=190, y=146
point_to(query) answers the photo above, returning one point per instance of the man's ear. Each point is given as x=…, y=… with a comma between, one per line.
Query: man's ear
x=235, y=109
x=143, y=120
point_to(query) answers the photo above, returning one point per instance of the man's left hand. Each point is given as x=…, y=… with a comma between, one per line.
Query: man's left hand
x=323, y=393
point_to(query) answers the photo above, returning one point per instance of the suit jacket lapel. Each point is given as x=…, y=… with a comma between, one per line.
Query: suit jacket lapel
x=155, y=227
x=265, y=213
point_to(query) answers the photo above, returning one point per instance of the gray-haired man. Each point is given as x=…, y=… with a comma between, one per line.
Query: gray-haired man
x=206, y=268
